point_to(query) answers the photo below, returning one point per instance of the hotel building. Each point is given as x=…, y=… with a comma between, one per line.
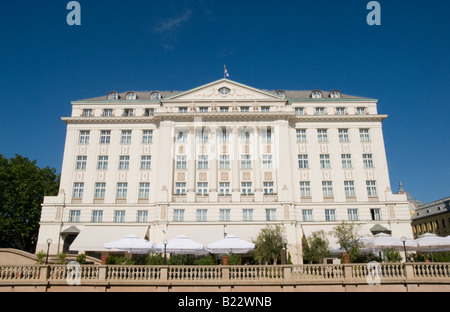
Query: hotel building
x=223, y=158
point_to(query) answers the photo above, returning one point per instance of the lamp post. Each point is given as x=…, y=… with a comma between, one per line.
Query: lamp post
x=403, y=239
x=165, y=242
x=49, y=242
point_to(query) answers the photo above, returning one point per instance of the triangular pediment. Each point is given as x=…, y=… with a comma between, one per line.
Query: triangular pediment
x=224, y=90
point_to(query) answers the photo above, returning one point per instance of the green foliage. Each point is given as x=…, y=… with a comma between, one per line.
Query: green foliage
x=348, y=238
x=180, y=260
x=316, y=248
x=81, y=259
x=269, y=244
x=118, y=260
x=234, y=259
x=205, y=260
x=41, y=256
x=23, y=186
x=391, y=256
x=61, y=258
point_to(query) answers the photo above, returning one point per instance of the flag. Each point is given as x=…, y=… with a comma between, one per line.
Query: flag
x=225, y=73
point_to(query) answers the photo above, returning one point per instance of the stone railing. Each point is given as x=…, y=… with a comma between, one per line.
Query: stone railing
x=228, y=275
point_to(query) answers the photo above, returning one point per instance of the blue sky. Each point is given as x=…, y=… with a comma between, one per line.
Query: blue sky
x=178, y=45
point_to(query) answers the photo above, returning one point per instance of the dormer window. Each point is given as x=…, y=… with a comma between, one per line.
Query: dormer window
x=87, y=112
x=113, y=96
x=131, y=96
x=224, y=91
x=335, y=94
x=280, y=94
x=156, y=96
x=316, y=94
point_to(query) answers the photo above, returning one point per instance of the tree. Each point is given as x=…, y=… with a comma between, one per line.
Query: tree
x=269, y=244
x=23, y=186
x=316, y=248
x=348, y=239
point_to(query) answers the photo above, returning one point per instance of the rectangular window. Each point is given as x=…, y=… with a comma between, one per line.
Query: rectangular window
x=244, y=137
x=371, y=188
x=224, y=109
x=202, y=161
x=78, y=189
x=100, y=189
x=352, y=214
x=367, y=161
x=246, y=161
x=343, y=135
x=299, y=111
x=327, y=188
x=307, y=215
x=305, y=189
x=178, y=215
x=265, y=109
x=181, y=162
x=126, y=137
x=142, y=216
x=224, y=161
x=330, y=214
x=181, y=137
x=144, y=190
x=375, y=213
x=202, y=188
x=149, y=112
x=128, y=112
x=360, y=110
x=122, y=189
x=105, y=137
x=203, y=109
x=182, y=109
x=320, y=111
x=271, y=214
x=180, y=188
x=267, y=161
x=97, y=216
x=124, y=162
x=245, y=109
x=268, y=188
x=102, y=163
x=146, y=162
x=224, y=188
x=267, y=136
x=202, y=137
x=107, y=112
x=202, y=215
x=223, y=136
x=247, y=214
x=224, y=215
x=346, y=161
x=84, y=137
x=322, y=135
x=301, y=135
x=349, y=188
x=74, y=216
x=325, y=161
x=87, y=112
x=340, y=111
x=119, y=216
x=303, y=161
x=246, y=188
x=81, y=163
x=364, y=135
x=147, y=136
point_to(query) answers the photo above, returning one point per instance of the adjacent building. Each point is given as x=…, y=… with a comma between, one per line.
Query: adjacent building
x=433, y=218
x=222, y=158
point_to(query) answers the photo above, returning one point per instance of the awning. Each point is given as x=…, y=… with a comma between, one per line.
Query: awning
x=93, y=238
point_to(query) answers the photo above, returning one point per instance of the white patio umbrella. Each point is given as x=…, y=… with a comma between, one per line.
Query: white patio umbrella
x=431, y=242
x=131, y=244
x=230, y=244
x=182, y=245
x=385, y=241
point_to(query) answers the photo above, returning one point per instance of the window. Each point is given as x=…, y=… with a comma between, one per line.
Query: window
x=131, y=96
x=364, y=135
x=246, y=162
x=224, y=215
x=303, y=161
x=299, y=111
x=102, y=163
x=316, y=94
x=245, y=109
x=182, y=109
x=224, y=188
x=180, y=188
x=307, y=215
x=335, y=94
x=352, y=214
x=280, y=93
x=224, y=91
x=87, y=112
x=113, y=96
x=97, y=216
x=224, y=109
x=84, y=137
x=105, y=137
x=202, y=188
x=327, y=188
x=146, y=162
x=100, y=188
x=202, y=161
x=360, y=110
x=340, y=111
x=156, y=96
x=203, y=109
x=267, y=161
x=124, y=162
x=144, y=190
x=267, y=136
x=119, y=216
x=320, y=111
x=305, y=189
x=322, y=135
x=244, y=137
x=181, y=137
x=223, y=136
x=343, y=135
x=268, y=188
x=346, y=161
x=74, y=216
x=128, y=112
x=247, y=214
x=325, y=161
x=349, y=188
x=375, y=213
x=271, y=214
x=371, y=188
x=178, y=215
x=224, y=161
x=202, y=215
x=78, y=189
x=107, y=112
x=81, y=163
x=367, y=161
x=265, y=109
x=147, y=136
x=142, y=216
x=122, y=189
x=181, y=162
x=126, y=137
x=301, y=135
x=330, y=214
x=202, y=136
x=246, y=188
x=149, y=112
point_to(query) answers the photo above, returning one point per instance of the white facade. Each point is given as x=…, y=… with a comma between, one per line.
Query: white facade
x=221, y=158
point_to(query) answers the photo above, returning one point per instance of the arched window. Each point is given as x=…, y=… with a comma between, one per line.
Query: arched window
x=156, y=96
x=131, y=96
x=113, y=96
x=316, y=94
x=280, y=94
x=335, y=94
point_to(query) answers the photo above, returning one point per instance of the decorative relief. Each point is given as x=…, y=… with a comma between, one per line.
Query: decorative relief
x=146, y=150
x=104, y=150
x=367, y=148
x=326, y=175
x=304, y=176
x=324, y=148
x=370, y=174
x=268, y=176
x=268, y=149
x=224, y=176
x=82, y=150
x=345, y=148
x=348, y=175
x=202, y=177
x=124, y=150
x=101, y=176
x=246, y=176
x=122, y=176
x=181, y=176
x=145, y=177
x=181, y=149
x=302, y=149
x=79, y=176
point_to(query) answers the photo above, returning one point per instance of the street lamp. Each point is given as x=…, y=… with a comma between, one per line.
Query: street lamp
x=403, y=239
x=165, y=242
x=49, y=242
